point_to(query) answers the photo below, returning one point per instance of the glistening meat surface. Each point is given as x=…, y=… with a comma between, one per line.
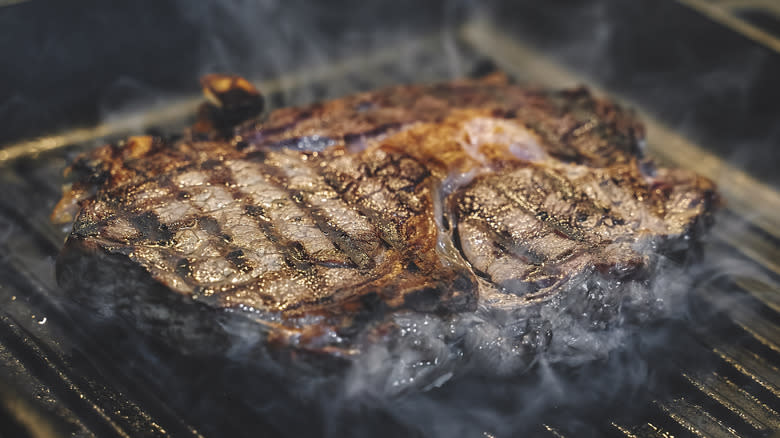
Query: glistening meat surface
x=318, y=222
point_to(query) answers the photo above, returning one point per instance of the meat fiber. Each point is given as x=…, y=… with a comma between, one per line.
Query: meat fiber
x=313, y=225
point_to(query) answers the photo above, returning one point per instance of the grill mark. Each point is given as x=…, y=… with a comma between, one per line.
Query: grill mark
x=551, y=139
x=298, y=198
x=386, y=228
x=511, y=246
x=217, y=175
x=541, y=272
x=335, y=234
x=223, y=240
x=340, y=238
x=535, y=257
x=294, y=254
x=213, y=227
x=152, y=232
x=220, y=175
x=256, y=288
x=209, y=224
x=123, y=192
x=343, y=189
x=149, y=226
x=374, y=132
x=304, y=303
x=182, y=196
x=275, y=177
x=528, y=279
x=593, y=136
x=124, y=198
x=487, y=222
x=526, y=269
x=239, y=261
x=591, y=205
x=564, y=185
x=554, y=222
x=220, y=240
x=173, y=188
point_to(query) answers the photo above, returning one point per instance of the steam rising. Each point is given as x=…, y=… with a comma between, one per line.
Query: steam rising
x=487, y=373
x=594, y=350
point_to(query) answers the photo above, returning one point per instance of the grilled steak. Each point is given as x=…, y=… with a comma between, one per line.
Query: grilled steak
x=314, y=225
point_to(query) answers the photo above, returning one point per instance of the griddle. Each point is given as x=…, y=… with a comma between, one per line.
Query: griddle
x=720, y=377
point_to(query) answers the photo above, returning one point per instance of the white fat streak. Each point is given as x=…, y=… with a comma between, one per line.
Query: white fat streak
x=519, y=141
x=444, y=243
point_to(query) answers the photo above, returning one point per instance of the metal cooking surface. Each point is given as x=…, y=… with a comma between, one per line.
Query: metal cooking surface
x=63, y=380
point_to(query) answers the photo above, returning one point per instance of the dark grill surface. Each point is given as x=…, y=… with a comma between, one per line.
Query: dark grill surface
x=721, y=378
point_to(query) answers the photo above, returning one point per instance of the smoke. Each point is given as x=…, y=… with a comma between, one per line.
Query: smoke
x=269, y=38
x=701, y=78
x=461, y=376
x=480, y=374
x=576, y=360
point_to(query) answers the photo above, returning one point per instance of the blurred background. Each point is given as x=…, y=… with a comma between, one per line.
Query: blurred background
x=72, y=63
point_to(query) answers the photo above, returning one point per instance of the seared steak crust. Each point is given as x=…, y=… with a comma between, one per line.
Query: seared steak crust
x=319, y=220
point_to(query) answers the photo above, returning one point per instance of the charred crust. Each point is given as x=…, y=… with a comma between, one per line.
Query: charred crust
x=183, y=267
x=255, y=211
x=210, y=225
x=150, y=227
x=89, y=171
x=108, y=289
x=238, y=259
x=231, y=100
x=297, y=257
x=240, y=145
x=231, y=93
x=427, y=299
x=259, y=155
x=482, y=68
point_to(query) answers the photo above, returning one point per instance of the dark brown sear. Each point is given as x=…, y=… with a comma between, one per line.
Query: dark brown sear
x=323, y=219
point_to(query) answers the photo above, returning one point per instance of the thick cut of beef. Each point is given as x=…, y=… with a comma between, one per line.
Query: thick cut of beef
x=311, y=226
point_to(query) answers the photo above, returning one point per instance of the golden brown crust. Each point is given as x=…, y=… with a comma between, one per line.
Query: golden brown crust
x=415, y=197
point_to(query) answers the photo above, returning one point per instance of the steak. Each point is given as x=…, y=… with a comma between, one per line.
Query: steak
x=312, y=227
